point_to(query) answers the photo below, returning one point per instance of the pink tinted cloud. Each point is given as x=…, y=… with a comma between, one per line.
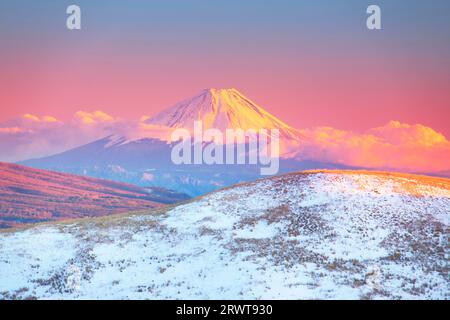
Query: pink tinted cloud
x=395, y=146
x=31, y=136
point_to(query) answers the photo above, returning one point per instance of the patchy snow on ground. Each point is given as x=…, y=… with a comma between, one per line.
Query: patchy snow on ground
x=315, y=235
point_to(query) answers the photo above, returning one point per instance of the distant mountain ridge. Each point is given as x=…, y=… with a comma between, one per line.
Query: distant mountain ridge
x=31, y=195
x=147, y=162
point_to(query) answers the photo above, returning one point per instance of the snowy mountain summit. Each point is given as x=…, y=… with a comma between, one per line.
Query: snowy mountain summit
x=317, y=235
x=222, y=109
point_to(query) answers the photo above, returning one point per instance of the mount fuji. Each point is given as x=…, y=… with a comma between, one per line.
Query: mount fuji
x=222, y=109
x=145, y=159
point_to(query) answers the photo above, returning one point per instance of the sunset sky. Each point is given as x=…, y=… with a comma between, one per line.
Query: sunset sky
x=380, y=98
x=308, y=62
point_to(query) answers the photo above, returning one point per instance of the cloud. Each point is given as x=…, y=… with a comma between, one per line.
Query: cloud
x=12, y=130
x=398, y=133
x=32, y=136
x=95, y=117
x=34, y=118
x=395, y=146
x=31, y=117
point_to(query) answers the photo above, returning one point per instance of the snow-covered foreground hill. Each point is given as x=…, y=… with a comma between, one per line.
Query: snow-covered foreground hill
x=324, y=235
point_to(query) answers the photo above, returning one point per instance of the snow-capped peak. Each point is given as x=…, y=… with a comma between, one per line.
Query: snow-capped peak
x=222, y=109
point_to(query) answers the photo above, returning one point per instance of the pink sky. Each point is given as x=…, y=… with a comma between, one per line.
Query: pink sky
x=310, y=64
x=353, y=94
x=338, y=99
